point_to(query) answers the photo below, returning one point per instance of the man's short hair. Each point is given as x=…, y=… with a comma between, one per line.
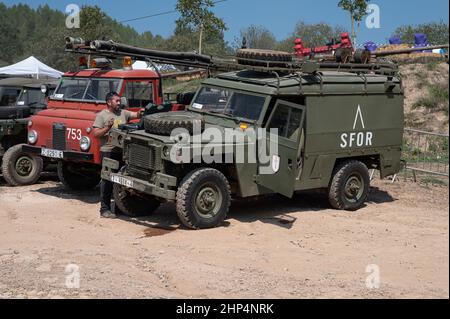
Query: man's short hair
x=110, y=96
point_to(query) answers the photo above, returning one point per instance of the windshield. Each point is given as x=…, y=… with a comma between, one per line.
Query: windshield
x=8, y=95
x=86, y=89
x=30, y=97
x=227, y=102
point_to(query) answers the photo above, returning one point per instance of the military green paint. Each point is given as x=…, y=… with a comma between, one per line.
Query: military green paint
x=346, y=115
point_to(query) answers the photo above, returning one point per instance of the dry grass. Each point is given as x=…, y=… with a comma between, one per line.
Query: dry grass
x=426, y=96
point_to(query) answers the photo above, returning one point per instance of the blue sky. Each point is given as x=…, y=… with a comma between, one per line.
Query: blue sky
x=278, y=16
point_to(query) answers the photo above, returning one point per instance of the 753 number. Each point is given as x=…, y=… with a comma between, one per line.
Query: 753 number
x=73, y=134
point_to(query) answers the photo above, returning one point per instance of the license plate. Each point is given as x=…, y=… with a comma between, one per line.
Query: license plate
x=122, y=181
x=52, y=153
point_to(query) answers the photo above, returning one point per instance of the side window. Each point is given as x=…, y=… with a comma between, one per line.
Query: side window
x=287, y=120
x=294, y=124
x=139, y=94
x=280, y=120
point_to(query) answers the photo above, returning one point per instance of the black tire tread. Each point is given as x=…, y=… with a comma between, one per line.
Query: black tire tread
x=132, y=206
x=72, y=184
x=8, y=163
x=165, y=123
x=336, y=182
x=273, y=57
x=184, y=192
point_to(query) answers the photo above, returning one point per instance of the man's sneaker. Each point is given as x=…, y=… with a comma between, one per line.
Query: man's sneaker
x=108, y=214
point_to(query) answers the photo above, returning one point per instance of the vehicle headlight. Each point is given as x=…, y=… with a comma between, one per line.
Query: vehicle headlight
x=166, y=152
x=85, y=143
x=32, y=137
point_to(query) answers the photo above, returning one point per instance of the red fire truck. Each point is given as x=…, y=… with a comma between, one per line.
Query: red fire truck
x=63, y=132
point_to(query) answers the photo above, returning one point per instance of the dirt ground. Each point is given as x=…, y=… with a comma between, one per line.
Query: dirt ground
x=273, y=248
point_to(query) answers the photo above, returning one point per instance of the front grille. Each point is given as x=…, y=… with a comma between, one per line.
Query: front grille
x=59, y=136
x=144, y=156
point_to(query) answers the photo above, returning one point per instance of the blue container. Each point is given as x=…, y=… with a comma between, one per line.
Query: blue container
x=395, y=40
x=370, y=46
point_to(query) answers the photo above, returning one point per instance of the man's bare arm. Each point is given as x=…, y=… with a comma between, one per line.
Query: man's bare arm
x=135, y=115
x=100, y=132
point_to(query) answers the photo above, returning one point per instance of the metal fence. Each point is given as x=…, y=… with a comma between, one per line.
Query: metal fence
x=426, y=153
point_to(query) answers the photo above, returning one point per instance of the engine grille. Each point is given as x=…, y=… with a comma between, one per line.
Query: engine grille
x=144, y=156
x=59, y=136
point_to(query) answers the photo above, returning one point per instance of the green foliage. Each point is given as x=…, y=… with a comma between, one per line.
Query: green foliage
x=356, y=8
x=437, y=32
x=312, y=35
x=41, y=32
x=257, y=37
x=197, y=13
x=436, y=98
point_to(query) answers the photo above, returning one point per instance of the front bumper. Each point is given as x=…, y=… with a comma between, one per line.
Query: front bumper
x=160, y=188
x=67, y=155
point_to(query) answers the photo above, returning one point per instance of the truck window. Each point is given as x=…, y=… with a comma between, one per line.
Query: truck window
x=86, y=89
x=287, y=120
x=9, y=96
x=98, y=89
x=245, y=106
x=72, y=89
x=31, y=96
x=139, y=94
x=211, y=99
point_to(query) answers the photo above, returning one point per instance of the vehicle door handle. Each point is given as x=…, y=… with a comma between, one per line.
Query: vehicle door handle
x=290, y=164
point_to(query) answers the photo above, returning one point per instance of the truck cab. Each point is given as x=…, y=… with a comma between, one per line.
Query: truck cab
x=63, y=131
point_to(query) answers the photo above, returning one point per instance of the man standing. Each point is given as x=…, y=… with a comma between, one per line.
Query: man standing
x=112, y=116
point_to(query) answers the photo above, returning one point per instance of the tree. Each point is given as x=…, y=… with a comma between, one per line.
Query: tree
x=196, y=15
x=10, y=46
x=257, y=37
x=312, y=35
x=93, y=23
x=357, y=10
x=437, y=32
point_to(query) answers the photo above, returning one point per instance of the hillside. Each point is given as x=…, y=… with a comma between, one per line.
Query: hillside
x=426, y=93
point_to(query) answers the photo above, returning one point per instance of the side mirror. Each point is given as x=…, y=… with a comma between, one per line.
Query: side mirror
x=124, y=102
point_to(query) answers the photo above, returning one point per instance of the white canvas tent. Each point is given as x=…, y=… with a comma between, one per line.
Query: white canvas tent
x=143, y=65
x=31, y=66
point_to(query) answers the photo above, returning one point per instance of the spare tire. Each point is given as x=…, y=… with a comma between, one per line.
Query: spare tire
x=14, y=112
x=165, y=123
x=266, y=58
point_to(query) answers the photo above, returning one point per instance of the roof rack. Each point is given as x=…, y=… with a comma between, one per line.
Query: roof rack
x=114, y=50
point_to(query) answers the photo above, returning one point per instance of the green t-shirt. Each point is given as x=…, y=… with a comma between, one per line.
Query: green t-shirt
x=101, y=120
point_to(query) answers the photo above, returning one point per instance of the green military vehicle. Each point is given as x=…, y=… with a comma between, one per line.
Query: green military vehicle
x=20, y=98
x=294, y=125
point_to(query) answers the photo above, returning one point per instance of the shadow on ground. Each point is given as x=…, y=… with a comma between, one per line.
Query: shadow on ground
x=274, y=209
x=57, y=189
